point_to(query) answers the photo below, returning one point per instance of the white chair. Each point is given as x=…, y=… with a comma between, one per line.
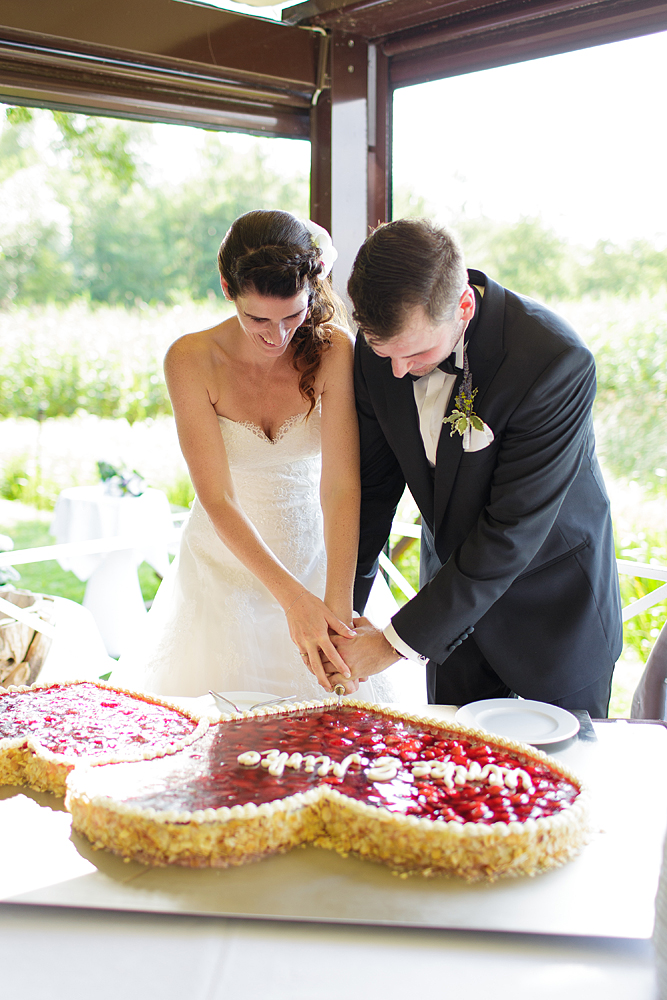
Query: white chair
x=649, y=700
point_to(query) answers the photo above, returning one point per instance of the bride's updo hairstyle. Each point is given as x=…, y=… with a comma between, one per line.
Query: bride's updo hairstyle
x=272, y=253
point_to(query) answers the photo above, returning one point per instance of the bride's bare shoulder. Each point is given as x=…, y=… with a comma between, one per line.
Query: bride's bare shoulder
x=194, y=350
x=341, y=351
x=339, y=334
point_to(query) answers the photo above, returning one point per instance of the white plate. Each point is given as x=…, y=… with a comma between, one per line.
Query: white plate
x=532, y=722
x=246, y=699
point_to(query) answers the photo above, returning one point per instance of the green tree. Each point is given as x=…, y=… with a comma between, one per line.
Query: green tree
x=34, y=264
x=408, y=204
x=632, y=402
x=128, y=241
x=624, y=271
x=16, y=143
x=525, y=256
x=101, y=148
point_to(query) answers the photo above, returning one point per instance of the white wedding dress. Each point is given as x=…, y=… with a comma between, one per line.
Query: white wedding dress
x=213, y=625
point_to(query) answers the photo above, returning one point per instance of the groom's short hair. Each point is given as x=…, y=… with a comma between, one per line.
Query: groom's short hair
x=403, y=264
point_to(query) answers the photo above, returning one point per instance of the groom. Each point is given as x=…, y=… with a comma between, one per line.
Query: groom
x=480, y=400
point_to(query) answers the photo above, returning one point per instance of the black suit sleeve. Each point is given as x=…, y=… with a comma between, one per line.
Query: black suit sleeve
x=382, y=485
x=540, y=453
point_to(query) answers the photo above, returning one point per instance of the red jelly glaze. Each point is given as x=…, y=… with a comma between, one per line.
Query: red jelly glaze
x=83, y=719
x=208, y=775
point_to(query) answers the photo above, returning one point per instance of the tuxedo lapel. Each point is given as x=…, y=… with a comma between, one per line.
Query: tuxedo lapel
x=485, y=353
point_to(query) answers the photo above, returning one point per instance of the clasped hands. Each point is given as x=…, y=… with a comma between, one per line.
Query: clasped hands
x=365, y=653
x=331, y=650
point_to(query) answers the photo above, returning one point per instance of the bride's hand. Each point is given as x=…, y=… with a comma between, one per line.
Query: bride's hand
x=309, y=621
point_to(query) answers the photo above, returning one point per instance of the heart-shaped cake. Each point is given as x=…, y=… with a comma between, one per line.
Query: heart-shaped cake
x=416, y=794
x=47, y=729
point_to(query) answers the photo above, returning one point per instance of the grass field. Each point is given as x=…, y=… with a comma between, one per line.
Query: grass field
x=30, y=529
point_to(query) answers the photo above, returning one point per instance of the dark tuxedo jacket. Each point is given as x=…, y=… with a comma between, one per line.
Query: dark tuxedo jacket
x=517, y=538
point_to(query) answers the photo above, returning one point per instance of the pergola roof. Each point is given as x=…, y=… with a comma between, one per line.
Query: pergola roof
x=432, y=39
x=160, y=60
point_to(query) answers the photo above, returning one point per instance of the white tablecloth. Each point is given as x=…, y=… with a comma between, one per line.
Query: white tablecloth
x=51, y=954
x=85, y=512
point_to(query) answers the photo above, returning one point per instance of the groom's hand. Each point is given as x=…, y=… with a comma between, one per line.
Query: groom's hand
x=368, y=652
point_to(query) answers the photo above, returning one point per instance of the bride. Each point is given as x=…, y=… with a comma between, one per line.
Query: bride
x=264, y=408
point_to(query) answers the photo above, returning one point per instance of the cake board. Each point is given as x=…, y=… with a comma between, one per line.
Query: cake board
x=607, y=891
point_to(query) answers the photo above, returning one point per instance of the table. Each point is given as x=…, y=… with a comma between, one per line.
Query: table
x=77, y=651
x=167, y=954
x=113, y=594
x=77, y=955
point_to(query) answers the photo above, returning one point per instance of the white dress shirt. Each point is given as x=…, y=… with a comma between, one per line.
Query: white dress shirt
x=432, y=394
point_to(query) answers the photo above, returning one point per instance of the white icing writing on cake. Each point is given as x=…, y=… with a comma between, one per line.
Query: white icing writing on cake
x=383, y=769
x=386, y=768
x=456, y=774
x=275, y=761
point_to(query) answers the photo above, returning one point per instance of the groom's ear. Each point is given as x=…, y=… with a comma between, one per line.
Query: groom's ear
x=467, y=303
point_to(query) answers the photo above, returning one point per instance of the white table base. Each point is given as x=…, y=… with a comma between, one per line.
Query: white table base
x=113, y=596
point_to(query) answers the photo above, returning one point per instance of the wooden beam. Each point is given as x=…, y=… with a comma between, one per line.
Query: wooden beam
x=160, y=60
x=419, y=57
x=320, y=161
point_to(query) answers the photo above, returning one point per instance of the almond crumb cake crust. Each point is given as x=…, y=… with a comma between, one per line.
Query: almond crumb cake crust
x=418, y=795
x=47, y=729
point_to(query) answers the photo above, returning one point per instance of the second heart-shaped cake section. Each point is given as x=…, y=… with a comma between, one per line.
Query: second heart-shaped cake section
x=414, y=793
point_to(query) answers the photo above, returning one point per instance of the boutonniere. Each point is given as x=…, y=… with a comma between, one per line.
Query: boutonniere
x=463, y=419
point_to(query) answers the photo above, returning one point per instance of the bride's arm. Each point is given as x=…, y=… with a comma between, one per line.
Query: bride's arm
x=188, y=375
x=340, y=488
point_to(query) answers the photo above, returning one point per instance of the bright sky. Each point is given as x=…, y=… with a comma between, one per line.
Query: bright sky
x=578, y=139
x=175, y=157
x=258, y=9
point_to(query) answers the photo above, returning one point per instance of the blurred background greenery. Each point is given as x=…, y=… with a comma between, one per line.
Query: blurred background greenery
x=103, y=265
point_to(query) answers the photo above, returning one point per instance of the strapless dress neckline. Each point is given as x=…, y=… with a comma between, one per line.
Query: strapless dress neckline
x=259, y=432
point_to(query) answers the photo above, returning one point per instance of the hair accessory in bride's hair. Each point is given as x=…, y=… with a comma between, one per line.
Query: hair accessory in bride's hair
x=322, y=240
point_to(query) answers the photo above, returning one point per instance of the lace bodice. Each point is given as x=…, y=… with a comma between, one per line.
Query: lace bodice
x=213, y=624
x=277, y=482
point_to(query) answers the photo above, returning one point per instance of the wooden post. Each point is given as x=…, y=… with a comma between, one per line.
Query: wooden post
x=379, y=138
x=350, y=136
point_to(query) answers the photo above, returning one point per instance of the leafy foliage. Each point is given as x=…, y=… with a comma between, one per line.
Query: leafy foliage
x=631, y=404
x=532, y=259
x=524, y=256
x=118, y=239
x=56, y=364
